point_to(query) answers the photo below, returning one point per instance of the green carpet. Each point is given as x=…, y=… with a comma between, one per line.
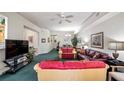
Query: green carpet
x=27, y=73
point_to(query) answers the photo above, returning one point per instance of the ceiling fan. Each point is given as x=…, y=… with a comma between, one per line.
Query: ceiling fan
x=63, y=18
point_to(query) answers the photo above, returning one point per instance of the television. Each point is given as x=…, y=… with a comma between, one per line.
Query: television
x=15, y=48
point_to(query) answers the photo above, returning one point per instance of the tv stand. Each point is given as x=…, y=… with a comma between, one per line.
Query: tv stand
x=17, y=63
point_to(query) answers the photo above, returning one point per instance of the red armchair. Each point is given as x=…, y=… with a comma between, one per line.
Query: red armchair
x=67, y=53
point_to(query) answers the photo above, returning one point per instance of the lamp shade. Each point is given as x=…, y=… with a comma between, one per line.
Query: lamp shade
x=116, y=45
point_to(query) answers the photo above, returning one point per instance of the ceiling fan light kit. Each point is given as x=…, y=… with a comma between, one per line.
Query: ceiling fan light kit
x=63, y=18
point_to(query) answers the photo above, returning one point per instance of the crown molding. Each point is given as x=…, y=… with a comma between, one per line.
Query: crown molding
x=100, y=20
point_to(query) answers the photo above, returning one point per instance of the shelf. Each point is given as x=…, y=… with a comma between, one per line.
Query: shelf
x=14, y=65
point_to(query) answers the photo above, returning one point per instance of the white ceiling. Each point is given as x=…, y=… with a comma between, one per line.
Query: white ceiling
x=43, y=20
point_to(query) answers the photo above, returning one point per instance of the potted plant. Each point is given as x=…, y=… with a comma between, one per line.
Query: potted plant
x=31, y=54
x=58, y=46
x=74, y=41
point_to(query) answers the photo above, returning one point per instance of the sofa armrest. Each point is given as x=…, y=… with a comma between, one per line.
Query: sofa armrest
x=60, y=52
x=74, y=52
x=107, y=66
x=36, y=67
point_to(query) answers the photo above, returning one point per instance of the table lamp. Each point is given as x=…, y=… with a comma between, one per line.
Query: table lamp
x=116, y=46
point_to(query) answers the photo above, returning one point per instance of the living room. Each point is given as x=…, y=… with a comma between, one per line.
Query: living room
x=46, y=31
x=61, y=46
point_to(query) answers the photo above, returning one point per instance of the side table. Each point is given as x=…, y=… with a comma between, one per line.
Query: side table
x=119, y=76
x=114, y=65
x=115, y=62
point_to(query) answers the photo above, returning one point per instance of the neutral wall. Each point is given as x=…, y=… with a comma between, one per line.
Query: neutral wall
x=113, y=29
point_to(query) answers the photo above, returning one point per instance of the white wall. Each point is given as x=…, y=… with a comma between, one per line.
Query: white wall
x=61, y=37
x=113, y=29
x=31, y=33
x=16, y=30
x=45, y=47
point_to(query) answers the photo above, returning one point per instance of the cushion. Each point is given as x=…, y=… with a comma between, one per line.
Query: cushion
x=91, y=53
x=64, y=50
x=73, y=65
x=94, y=64
x=68, y=56
x=104, y=56
x=70, y=50
x=82, y=51
x=96, y=55
x=87, y=51
x=51, y=64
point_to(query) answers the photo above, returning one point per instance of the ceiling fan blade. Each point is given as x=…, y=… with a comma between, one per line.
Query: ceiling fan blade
x=69, y=16
x=68, y=21
x=60, y=21
x=59, y=15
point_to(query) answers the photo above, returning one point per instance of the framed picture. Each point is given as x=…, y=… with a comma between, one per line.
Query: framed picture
x=55, y=41
x=48, y=40
x=2, y=29
x=43, y=40
x=97, y=40
x=30, y=38
x=51, y=40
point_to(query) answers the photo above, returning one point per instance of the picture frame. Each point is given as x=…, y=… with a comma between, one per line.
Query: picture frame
x=51, y=40
x=48, y=40
x=55, y=41
x=2, y=30
x=43, y=40
x=30, y=38
x=97, y=40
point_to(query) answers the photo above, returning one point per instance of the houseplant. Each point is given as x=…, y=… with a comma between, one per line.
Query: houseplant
x=74, y=41
x=31, y=53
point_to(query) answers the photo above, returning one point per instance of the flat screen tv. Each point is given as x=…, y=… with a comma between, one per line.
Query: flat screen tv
x=15, y=48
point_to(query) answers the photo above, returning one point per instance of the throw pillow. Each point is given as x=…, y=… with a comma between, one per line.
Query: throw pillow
x=97, y=55
x=91, y=53
x=51, y=64
x=87, y=51
x=82, y=51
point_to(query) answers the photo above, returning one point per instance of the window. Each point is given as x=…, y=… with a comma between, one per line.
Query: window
x=3, y=30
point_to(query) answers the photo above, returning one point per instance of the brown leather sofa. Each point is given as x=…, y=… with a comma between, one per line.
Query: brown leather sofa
x=90, y=54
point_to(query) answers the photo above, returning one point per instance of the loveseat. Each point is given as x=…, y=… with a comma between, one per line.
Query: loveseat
x=71, y=70
x=89, y=54
x=67, y=52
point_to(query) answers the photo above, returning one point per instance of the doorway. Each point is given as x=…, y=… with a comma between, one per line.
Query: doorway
x=32, y=36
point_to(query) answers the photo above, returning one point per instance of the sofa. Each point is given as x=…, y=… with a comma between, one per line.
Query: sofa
x=71, y=71
x=67, y=53
x=89, y=54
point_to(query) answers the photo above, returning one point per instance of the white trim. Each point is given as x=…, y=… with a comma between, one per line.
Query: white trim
x=100, y=20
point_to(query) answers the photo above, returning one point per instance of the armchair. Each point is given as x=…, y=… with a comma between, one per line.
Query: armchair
x=67, y=53
x=119, y=76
